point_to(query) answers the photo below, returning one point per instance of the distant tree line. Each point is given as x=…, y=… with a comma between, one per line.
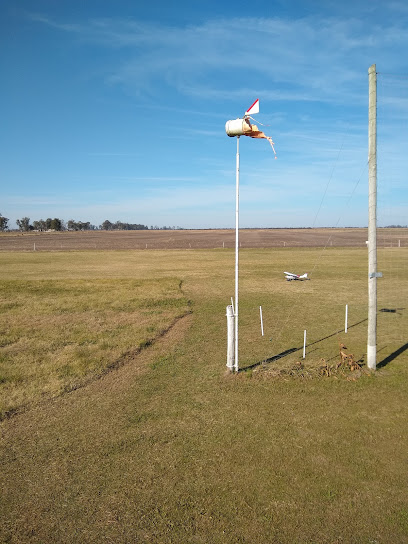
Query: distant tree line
x=80, y=225
x=107, y=225
x=42, y=225
x=47, y=224
x=165, y=228
x=56, y=224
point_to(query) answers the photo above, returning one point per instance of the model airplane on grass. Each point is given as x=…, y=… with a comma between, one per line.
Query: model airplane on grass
x=289, y=276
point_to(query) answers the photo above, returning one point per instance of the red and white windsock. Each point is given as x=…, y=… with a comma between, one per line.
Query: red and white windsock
x=254, y=108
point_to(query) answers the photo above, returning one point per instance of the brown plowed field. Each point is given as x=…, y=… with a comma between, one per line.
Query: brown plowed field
x=198, y=239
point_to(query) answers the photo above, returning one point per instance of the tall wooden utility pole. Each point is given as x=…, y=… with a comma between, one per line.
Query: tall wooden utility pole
x=372, y=218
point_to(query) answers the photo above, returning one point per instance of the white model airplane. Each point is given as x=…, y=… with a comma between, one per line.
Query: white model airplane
x=289, y=276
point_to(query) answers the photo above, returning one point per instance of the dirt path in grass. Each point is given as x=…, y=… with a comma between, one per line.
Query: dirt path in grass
x=48, y=451
x=108, y=388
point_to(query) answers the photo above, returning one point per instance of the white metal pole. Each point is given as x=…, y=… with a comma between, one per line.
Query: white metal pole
x=345, y=324
x=260, y=312
x=236, y=255
x=304, y=344
x=372, y=219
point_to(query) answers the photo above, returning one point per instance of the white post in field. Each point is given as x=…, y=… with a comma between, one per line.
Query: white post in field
x=372, y=219
x=260, y=312
x=231, y=339
x=345, y=324
x=304, y=344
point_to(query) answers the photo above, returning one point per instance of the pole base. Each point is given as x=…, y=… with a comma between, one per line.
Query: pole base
x=371, y=357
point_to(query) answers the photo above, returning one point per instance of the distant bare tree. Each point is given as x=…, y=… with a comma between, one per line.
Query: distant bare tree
x=24, y=224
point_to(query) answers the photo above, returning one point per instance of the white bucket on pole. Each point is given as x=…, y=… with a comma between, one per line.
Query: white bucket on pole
x=231, y=337
x=237, y=127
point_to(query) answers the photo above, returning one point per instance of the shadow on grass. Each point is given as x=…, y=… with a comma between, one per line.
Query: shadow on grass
x=392, y=310
x=271, y=359
x=392, y=356
x=337, y=332
x=292, y=350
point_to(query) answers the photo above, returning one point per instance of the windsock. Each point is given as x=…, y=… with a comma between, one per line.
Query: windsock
x=253, y=132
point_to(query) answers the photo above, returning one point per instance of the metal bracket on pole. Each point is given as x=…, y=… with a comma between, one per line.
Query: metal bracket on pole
x=375, y=275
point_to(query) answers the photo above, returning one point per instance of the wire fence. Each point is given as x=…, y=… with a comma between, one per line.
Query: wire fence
x=205, y=239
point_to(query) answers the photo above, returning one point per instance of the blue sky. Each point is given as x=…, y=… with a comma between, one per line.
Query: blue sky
x=116, y=110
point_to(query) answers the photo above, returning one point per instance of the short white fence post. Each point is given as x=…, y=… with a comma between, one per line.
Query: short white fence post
x=304, y=345
x=345, y=324
x=260, y=312
x=231, y=338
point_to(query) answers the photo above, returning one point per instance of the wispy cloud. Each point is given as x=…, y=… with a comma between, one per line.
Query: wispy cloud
x=307, y=59
x=112, y=154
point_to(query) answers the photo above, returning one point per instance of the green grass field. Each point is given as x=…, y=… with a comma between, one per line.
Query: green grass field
x=130, y=435
x=58, y=334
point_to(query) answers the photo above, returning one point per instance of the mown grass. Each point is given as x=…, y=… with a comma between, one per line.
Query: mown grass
x=182, y=452
x=57, y=334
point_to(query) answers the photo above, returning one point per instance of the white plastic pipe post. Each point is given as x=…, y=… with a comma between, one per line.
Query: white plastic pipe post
x=231, y=339
x=260, y=312
x=345, y=323
x=304, y=345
